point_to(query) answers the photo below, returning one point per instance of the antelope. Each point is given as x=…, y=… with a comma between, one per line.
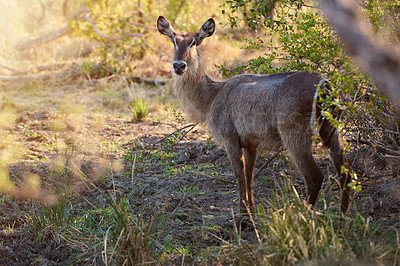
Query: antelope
x=250, y=113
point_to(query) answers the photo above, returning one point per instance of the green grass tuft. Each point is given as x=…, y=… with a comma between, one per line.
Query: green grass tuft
x=139, y=110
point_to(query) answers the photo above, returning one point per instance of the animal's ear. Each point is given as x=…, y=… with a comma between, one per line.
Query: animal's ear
x=165, y=28
x=205, y=31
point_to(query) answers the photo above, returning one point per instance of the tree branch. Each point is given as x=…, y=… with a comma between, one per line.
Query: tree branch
x=55, y=34
x=96, y=29
x=381, y=63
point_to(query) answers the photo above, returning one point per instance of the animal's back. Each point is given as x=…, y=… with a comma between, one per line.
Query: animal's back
x=253, y=107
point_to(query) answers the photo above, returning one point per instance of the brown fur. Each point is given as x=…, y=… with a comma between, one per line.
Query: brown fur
x=248, y=113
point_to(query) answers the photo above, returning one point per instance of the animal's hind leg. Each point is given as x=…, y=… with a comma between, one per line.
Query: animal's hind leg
x=332, y=139
x=250, y=156
x=299, y=146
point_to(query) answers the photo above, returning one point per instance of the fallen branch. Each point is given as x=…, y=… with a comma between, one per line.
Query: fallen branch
x=10, y=68
x=146, y=81
x=266, y=163
x=378, y=147
x=45, y=76
x=33, y=69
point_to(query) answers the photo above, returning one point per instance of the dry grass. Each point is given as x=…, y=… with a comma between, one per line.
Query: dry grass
x=288, y=231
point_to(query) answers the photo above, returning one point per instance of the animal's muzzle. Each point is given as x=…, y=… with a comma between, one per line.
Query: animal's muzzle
x=179, y=67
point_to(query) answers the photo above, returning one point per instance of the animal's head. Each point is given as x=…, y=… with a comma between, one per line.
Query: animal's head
x=184, y=43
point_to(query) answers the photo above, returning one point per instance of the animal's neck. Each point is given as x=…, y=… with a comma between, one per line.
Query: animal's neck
x=196, y=91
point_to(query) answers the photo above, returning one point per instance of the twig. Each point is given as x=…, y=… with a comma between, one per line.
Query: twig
x=96, y=29
x=114, y=38
x=179, y=204
x=152, y=48
x=171, y=134
x=301, y=4
x=184, y=134
x=143, y=26
x=149, y=150
x=266, y=163
x=183, y=259
x=378, y=147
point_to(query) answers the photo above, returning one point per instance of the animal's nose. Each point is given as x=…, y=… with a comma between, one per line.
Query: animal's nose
x=179, y=66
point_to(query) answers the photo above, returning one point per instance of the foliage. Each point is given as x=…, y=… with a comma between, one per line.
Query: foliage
x=299, y=39
x=125, y=30
x=121, y=42
x=254, y=12
x=384, y=16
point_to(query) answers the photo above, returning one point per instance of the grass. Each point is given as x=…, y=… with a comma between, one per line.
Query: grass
x=131, y=239
x=138, y=110
x=115, y=233
x=286, y=231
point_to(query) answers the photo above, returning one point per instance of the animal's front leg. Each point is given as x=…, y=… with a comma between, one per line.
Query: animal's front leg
x=235, y=157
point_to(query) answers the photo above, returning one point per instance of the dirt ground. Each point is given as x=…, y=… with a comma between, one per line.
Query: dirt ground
x=196, y=186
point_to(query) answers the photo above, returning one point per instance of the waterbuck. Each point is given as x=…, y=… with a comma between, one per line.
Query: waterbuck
x=248, y=113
